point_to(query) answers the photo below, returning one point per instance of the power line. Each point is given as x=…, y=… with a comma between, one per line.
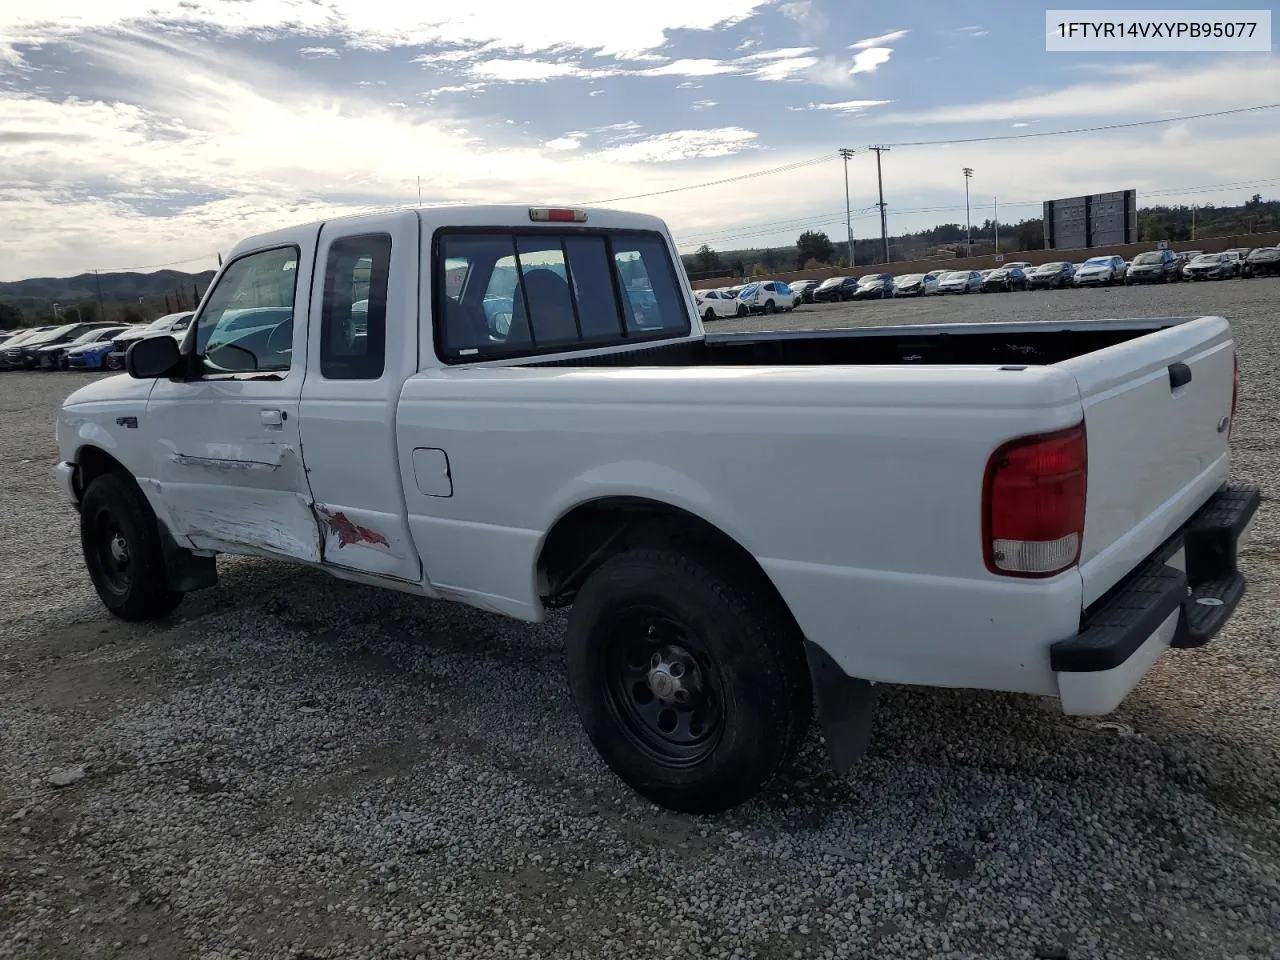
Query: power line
x=153, y=266
x=1109, y=126
x=826, y=218
x=785, y=168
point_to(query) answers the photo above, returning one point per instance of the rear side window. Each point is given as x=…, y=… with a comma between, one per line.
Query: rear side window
x=513, y=294
x=353, y=318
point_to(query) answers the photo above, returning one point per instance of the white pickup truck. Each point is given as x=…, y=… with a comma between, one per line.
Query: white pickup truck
x=518, y=409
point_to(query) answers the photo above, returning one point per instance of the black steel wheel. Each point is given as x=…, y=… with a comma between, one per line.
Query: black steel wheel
x=689, y=676
x=120, y=539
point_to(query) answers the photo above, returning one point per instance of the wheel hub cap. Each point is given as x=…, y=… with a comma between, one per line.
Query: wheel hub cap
x=673, y=675
x=119, y=549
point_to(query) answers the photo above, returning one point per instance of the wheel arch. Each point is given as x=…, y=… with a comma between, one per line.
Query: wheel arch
x=590, y=532
x=92, y=462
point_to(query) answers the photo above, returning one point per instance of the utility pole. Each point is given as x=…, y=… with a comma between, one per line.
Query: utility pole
x=846, y=153
x=884, y=224
x=995, y=222
x=968, y=228
x=1193, y=221
x=419, y=191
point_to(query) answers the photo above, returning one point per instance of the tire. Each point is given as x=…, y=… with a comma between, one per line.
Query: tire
x=708, y=316
x=120, y=539
x=742, y=310
x=729, y=635
x=769, y=307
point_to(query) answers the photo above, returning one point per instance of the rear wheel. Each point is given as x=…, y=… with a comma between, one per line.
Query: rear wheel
x=769, y=306
x=709, y=315
x=742, y=309
x=120, y=539
x=690, y=679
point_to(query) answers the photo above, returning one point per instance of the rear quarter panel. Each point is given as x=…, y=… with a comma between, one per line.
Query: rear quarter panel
x=858, y=489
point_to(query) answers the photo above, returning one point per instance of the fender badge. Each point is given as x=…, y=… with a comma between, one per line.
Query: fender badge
x=129, y=423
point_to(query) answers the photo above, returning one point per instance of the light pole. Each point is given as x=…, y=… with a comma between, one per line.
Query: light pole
x=968, y=228
x=846, y=153
x=884, y=224
x=995, y=222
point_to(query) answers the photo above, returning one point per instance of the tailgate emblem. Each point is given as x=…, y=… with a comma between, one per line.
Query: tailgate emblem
x=1222, y=424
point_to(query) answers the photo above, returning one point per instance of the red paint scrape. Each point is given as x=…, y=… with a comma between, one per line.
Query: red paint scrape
x=350, y=532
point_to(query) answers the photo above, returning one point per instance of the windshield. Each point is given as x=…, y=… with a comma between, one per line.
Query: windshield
x=748, y=290
x=50, y=334
x=957, y=275
x=91, y=335
x=1098, y=262
x=870, y=280
x=833, y=282
x=1051, y=267
x=1147, y=258
x=1206, y=258
x=910, y=278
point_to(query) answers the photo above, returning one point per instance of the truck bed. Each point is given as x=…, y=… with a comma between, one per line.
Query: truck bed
x=940, y=343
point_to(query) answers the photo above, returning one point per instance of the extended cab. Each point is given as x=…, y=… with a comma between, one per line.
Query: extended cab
x=518, y=409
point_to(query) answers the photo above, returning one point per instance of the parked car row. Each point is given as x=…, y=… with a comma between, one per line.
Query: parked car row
x=1156, y=266
x=94, y=345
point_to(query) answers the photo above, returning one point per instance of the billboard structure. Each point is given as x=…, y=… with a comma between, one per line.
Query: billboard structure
x=1098, y=220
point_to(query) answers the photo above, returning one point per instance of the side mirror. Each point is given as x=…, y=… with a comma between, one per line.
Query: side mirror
x=152, y=357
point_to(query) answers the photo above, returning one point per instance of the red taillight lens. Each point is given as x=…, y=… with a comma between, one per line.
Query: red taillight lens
x=1033, y=504
x=1235, y=392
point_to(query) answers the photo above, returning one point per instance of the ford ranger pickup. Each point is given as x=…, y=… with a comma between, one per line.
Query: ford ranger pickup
x=518, y=409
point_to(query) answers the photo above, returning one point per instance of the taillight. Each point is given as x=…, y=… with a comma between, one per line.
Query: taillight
x=1235, y=392
x=1033, y=504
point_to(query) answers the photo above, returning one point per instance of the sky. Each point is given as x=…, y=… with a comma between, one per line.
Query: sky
x=147, y=133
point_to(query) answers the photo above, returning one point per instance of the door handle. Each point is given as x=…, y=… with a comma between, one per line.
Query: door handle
x=1179, y=375
x=272, y=419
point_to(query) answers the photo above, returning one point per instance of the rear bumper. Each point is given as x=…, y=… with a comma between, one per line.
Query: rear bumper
x=1181, y=596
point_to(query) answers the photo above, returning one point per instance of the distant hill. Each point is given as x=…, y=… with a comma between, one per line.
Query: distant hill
x=115, y=286
x=126, y=297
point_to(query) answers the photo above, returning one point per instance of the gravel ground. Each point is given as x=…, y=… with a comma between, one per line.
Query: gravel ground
x=294, y=766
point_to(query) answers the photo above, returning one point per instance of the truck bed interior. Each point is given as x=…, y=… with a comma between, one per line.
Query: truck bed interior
x=978, y=343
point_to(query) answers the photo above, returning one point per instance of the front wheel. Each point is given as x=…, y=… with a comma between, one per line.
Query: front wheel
x=742, y=310
x=120, y=538
x=769, y=306
x=709, y=315
x=690, y=679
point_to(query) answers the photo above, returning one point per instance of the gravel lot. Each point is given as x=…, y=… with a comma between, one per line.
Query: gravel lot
x=295, y=766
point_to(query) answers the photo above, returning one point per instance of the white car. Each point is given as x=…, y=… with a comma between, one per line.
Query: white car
x=915, y=285
x=672, y=489
x=715, y=305
x=1022, y=265
x=960, y=281
x=767, y=296
x=1100, y=272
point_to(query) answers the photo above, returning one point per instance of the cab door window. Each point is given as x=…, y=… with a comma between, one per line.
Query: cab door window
x=246, y=325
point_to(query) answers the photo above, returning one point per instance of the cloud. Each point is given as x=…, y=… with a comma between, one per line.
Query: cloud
x=791, y=69
x=870, y=59
x=382, y=24
x=700, y=67
x=567, y=142
x=811, y=21
x=703, y=104
x=318, y=52
x=1183, y=89
x=973, y=31
x=879, y=41
x=682, y=145
x=847, y=106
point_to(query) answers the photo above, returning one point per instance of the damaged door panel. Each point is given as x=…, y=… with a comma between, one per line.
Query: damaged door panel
x=363, y=346
x=229, y=459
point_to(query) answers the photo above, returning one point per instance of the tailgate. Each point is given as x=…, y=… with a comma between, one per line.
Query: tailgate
x=1156, y=412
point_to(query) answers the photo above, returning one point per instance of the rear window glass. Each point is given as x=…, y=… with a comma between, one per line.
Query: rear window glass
x=503, y=294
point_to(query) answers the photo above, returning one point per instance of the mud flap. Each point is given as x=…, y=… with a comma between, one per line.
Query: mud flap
x=845, y=706
x=185, y=570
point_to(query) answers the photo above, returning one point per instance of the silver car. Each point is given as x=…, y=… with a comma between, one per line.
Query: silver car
x=960, y=281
